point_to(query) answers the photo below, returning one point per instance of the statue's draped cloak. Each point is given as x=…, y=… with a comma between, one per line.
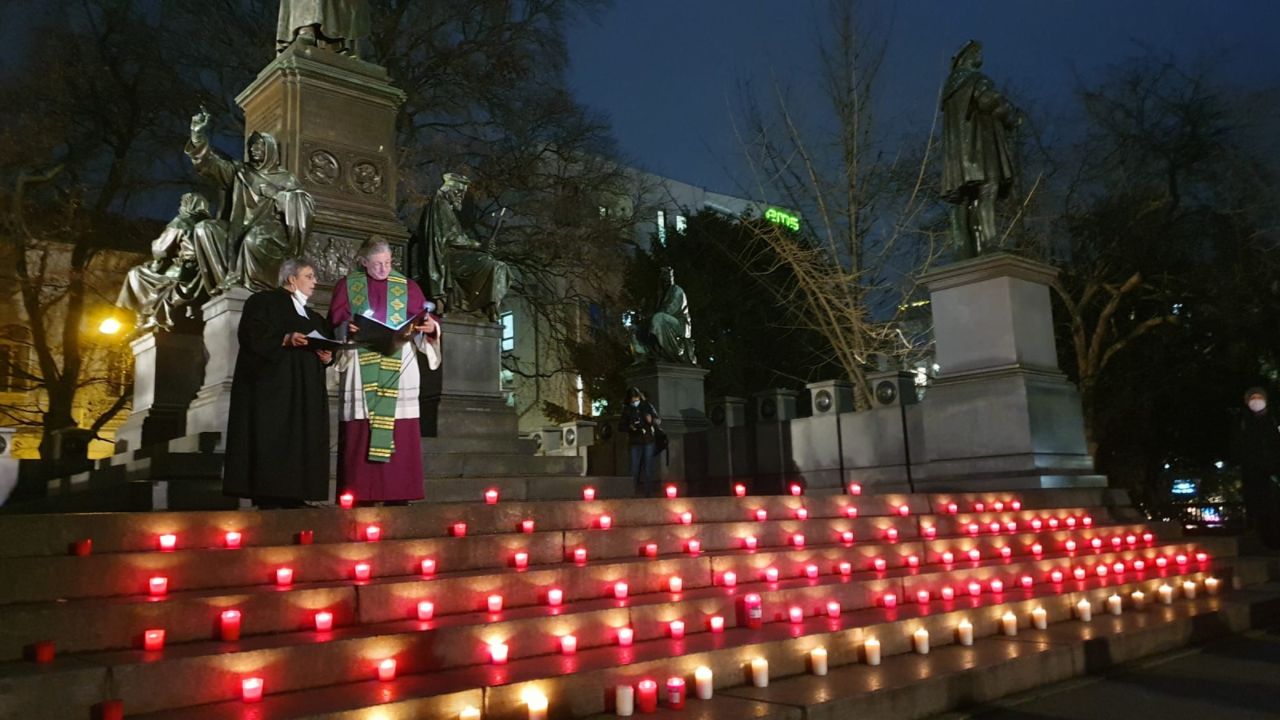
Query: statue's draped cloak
x=338, y=19
x=671, y=327
x=453, y=265
x=975, y=148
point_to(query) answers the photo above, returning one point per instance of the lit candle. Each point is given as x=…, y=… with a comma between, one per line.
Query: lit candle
x=676, y=629
x=851, y=511
x=624, y=701
x=1162, y=562
x=686, y=518
x=964, y=633
x=948, y=557
x=428, y=567
x=717, y=624
x=1165, y=594
x=373, y=533
x=324, y=621
x=426, y=610
x=588, y=493
x=754, y=610
x=845, y=568
x=1078, y=573
x=1148, y=537
x=626, y=636
x=1212, y=585
x=83, y=547
x=229, y=627
x=979, y=507
x=605, y=522
x=920, y=641
x=694, y=546
x=651, y=550
x=1053, y=523
x=158, y=586
x=703, y=682
x=771, y=574
x=796, y=489
x=811, y=571
x=44, y=651
x=739, y=490
x=675, y=693
x=675, y=584
x=833, y=609
x=491, y=497
x=922, y=597
x=1055, y=577
x=1040, y=618
x=891, y=534
x=620, y=591
x=998, y=506
x=168, y=542
x=458, y=529
x=890, y=600
x=494, y=603
x=647, y=696
x=997, y=586
x=1037, y=549
x=580, y=555
x=110, y=710
x=1084, y=610
x=1115, y=605
x=537, y=703
x=952, y=508
x=975, y=589
x=871, y=649
x=498, y=653
x=1116, y=542
x=521, y=560
x=568, y=644
x=555, y=596
x=1117, y=568
x=231, y=539
x=306, y=537
x=797, y=540
x=153, y=640
x=729, y=579
x=1139, y=564
x=818, y=661
x=387, y=670
x=363, y=570
x=930, y=532
x=855, y=489
x=904, y=510
x=469, y=712
x=761, y=514
x=1070, y=522
x=1036, y=523
x=1087, y=521
x=879, y=564
x=1015, y=504
x=1027, y=581
x=526, y=526
x=346, y=501
x=251, y=689
x=1139, y=598
x=795, y=614
x=1189, y=589
x=995, y=528
x=1009, y=623
x=802, y=514
x=749, y=542
x=1006, y=552
x=974, y=554
x=1101, y=570
x=672, y=492
x=760, y=672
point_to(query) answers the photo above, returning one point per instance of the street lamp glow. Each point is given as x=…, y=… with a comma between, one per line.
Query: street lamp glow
x=109, y=326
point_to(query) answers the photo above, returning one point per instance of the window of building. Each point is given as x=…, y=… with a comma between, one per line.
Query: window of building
x=682, y=224
x=508, y=320
x=662, y=228
x=15, y=364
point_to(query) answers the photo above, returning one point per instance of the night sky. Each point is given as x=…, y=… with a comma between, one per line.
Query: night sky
x=663, y=70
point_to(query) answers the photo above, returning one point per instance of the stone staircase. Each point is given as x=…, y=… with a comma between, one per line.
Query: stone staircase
x=905, y=567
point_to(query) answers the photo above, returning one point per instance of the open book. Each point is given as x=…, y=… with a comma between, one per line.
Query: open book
x=316, y=341
x=386, y=339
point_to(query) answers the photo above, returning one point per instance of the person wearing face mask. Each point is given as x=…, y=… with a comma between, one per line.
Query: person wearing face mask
x=1256, y=446
x=640, y=422
x=278, y=425
x=379, y=439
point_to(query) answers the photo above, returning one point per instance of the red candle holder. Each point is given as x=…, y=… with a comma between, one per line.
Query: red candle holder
x=1131, y=540
x=845, y=568
x=739, y=490
x=833, y=609
x=604, y=522
x=913, y=561
x=879, y=565
x=346, y=500
x=82, y=547
x=1101, y=570
x=588, y=493
x=284, y=577
x=749, y=542
x=568, y=644
x=520, y=560
x=855, y=489
x=306, y=537
x=771, y=574
x=846, y=537
x=716, y=623
x=458, y=529
x=1036, y=523
x=1096, y=543
x=498, y=653
x=428, y=567
x=979, y=506
x=686, y=518
x=44, y=651
x=229, y=625
x=324, y=621
x=647, y=696
x=1087, y=521
x=973, y=528
x=796, y=489
x=1006, y=552
x=231, y=539
x=947, y=592
x=1070, y=521
x=948, y=557
x=904, y=510
x=158, y=586
x=1011, y=526
x=251, y=689
x=1147, y=537
x=694, y=546
x=753, y=611
x=1202, y=557
x=1180, y=558
x=795, y=614
x=998, y=506
x=675, y=584
x=929, y=531
x=974, y=554
x=811, y=571
x=1037, y=549
x=997, y=586
x=890, y=600
x=580, y=555
x=1117, y=542
x=153, y=640
x=387, y=670
x=729, y=579
x=1015, y=504
x=526, y=526
x=1056, y=577
x=1053, y=523
x=620, y=591
x=851, y=511
x=797, y=540
x=676, y=693
x=626, y=636
x=1078, y=573
x=761, y=514
x=491, y=497
x=975, y=589
x=675, y=629
x=108, y=710
x=167, y=542
x=994, y=528
x=651, y=550
x=373, y=533
x=494, y=603
x=891, y=534
x=362, y=571
x=671, y=491
x=922, y=597
x=1117, y=568
x=426, y=610
x=952, y=508
x=1139, y=565
x=1070, y=545
x=1027, y=581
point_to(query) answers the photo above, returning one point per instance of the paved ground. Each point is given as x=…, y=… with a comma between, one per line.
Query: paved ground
x=1237, y=678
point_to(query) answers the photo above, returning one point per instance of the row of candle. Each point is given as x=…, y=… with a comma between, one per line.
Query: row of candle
x=644, y=695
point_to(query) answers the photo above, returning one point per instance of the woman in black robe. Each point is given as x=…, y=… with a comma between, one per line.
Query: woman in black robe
x=278, y=428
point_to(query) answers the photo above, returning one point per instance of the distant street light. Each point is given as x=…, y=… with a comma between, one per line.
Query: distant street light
x=109, y=326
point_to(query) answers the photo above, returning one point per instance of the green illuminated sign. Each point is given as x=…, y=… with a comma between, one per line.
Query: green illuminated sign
x=781, y=217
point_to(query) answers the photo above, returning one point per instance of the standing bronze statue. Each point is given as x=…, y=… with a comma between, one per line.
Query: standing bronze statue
x=667, y=334
x=154, y=291
x=457, y=270
x=977, y=162
x=265, y=213
x=338, y=25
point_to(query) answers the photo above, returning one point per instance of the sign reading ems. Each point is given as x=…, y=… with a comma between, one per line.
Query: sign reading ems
x=781, y=217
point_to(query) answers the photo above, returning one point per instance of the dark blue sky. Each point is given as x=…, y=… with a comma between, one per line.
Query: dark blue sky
x=663, y=70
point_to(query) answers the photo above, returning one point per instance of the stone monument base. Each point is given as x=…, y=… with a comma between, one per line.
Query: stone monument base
x=676, y=391
x=167, y=371
x=208, y=412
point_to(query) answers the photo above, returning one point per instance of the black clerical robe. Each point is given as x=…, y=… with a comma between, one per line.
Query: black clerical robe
x=278, y=426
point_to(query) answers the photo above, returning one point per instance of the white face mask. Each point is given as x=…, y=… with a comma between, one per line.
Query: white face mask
x=1257, y=405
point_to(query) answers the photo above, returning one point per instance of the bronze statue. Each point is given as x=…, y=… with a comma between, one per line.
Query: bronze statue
x=339, y=25
x=669, y=332
x=457, y=271
x=977, y=164
x=265, y=214
x=155, y=290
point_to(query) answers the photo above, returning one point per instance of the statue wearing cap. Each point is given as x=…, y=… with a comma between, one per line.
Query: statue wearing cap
x=457, y=270
x=977, y=163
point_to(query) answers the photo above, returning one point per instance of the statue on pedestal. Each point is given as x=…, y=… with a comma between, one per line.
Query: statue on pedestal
x=458, y=272
x=265, y=214
x=667, y=334
x=155, y=290
x=977, y=162
x=339, y=25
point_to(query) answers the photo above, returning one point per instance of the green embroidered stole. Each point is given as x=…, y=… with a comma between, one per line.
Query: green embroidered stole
x=380, y=374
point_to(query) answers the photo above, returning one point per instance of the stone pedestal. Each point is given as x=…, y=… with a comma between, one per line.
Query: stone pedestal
x=209, y=409
x=1001, y=413
x=677, y=392
x=729, y=456
x=167, y=371
x=464, y=399
x=335, y=119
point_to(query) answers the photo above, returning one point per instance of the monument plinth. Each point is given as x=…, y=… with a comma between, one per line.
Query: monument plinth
x=212, y=404
x=167, y=372
x=676, y=391
x=1001, y=413
x=464, y=398
x=335, y=119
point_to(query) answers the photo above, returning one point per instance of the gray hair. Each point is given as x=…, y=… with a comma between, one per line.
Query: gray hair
x=374, y=245
x=292, y=266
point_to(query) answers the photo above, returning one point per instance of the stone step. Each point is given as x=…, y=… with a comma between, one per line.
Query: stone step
x=483, y=464
x=534, y=487
x=434, y=446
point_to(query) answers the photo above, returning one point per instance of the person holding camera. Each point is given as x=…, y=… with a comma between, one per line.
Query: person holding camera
x=640, y=422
